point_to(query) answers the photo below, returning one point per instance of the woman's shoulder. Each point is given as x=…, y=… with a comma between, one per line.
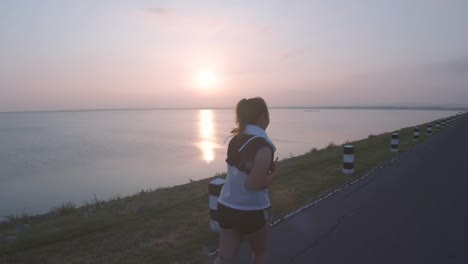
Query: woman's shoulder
x=244, y=141
x=239, y=139
x=257, y=143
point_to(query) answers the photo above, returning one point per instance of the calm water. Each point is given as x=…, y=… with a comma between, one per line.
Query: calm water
x=50, y=158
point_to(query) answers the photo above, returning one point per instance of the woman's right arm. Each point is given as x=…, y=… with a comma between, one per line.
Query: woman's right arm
x=259, y=178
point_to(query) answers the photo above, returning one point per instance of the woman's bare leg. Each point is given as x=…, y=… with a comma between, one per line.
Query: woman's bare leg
x=229, y=243
x=259, y=243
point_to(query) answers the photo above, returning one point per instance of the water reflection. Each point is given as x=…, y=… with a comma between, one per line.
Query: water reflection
x=206, y=130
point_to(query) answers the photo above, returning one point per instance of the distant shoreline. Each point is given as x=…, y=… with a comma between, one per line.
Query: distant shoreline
x=425, y=108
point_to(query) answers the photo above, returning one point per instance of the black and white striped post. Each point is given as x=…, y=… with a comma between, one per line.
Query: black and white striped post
x=416, y=134
x=429, y=129
x=395, y=142
x=437, y=125
x=348, y=159
x=214, y=189
x=443, y=123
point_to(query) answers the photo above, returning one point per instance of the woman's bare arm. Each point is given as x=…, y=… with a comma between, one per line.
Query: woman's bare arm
x=259, y=178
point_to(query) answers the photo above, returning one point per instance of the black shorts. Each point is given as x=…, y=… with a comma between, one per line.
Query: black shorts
x=243, y=221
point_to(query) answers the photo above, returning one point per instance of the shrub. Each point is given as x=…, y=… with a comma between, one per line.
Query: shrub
x=65, y=209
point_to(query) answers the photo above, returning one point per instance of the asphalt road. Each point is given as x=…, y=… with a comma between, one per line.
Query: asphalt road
x=415, y=210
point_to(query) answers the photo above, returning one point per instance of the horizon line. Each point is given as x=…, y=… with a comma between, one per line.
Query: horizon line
x=383, y=107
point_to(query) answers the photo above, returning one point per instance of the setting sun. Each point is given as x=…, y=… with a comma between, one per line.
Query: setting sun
x=206, y=78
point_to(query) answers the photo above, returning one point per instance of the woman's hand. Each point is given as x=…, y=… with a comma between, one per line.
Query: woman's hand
x=273, y=166
x=260, y=176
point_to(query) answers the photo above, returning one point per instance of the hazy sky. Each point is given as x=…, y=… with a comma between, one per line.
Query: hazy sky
x=138, y=54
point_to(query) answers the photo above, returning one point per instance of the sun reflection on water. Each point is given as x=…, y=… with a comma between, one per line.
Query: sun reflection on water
x=206, y=130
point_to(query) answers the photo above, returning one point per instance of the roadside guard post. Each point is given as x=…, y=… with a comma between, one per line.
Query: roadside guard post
x=416, y=134
x=214, y=189
x=348, y=159
x=429, y=129
x=395, y=142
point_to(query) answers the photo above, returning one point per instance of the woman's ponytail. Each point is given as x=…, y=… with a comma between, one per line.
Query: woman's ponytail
x=242, y=115
x=247, y=112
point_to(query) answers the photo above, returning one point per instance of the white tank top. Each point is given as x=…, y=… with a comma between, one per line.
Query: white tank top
x=235, y=193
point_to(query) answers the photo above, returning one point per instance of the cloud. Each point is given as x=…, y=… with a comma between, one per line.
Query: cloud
x=440, y=82
x=176, y=21
x=159, y=11
x=291, y=54
x=219, y=24
x=458, y=66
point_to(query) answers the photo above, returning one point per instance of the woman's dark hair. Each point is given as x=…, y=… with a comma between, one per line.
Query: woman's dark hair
x=247, y=112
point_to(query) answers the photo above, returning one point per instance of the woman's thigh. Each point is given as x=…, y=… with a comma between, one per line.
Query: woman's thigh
x=258, y=240
x=229, y=243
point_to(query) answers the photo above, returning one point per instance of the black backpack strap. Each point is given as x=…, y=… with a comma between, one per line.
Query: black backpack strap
x=242, y=150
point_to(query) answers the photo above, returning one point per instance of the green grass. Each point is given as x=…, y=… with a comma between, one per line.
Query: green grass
x=171, y=225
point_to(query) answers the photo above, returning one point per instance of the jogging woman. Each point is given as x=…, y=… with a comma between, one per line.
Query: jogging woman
x=244, y=200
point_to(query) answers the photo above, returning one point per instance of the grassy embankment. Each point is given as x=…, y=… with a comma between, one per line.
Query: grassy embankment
x=171, y=225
